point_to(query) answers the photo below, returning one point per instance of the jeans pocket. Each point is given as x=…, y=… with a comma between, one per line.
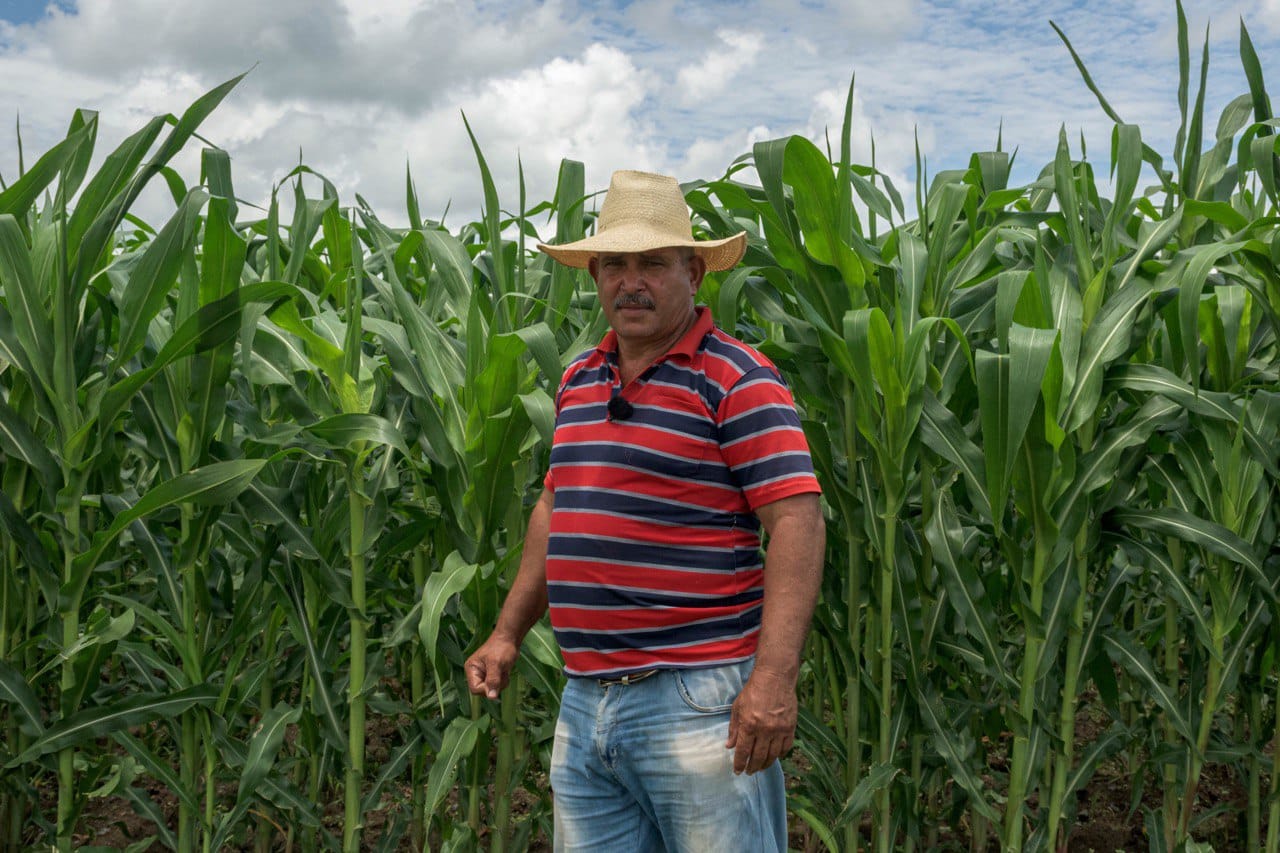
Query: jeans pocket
x=711, y=690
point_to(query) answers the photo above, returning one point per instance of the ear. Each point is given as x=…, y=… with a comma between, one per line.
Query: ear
x=697, y=267
x=593, y=267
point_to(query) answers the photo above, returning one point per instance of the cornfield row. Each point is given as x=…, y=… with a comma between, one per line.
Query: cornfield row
x=264, y=484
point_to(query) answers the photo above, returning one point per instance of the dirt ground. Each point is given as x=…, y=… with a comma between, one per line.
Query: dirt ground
x=1105, y=821
x=1103, y=824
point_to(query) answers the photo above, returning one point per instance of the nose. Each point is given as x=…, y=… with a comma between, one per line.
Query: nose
x=631, y=277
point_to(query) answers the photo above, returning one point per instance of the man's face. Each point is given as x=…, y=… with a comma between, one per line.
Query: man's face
x=647, y=296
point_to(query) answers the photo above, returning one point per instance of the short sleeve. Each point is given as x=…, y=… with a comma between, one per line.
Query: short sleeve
x=548, y=482
x=762, y=441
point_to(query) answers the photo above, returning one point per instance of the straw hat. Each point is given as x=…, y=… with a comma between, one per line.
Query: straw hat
x=643, y=211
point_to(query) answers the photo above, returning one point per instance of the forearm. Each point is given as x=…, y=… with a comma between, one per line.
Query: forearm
x=792, y=583
x=762, y=722
x=527, y=599
x=489, y=667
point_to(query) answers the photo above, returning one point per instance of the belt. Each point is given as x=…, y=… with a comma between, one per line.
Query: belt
x=629, y=678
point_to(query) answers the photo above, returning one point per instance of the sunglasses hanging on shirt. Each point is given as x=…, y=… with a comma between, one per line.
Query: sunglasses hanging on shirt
x=620, y=408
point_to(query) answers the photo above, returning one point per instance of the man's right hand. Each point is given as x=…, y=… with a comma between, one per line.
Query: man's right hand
x=489, y=669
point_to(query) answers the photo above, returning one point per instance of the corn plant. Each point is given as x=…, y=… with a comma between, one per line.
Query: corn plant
x=79, y=368
x=265, y=477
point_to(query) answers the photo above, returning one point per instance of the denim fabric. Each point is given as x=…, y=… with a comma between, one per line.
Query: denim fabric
x=643, y=767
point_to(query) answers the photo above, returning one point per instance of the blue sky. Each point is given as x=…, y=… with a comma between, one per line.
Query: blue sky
x=362, y=87
x=25, y=11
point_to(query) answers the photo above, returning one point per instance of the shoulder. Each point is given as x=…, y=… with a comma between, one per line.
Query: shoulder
x=730, y=359
x=578, y=373
x=738, y=376
x=742, y=371
x=576, y=364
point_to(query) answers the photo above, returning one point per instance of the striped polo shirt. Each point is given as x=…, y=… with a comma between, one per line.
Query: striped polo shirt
x=653, y=558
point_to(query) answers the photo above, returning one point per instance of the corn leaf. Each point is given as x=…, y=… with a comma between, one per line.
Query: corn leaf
x=17, y=199
x=157, y=766
x=214, y=484
x=150, y=281
x=1215, y=538
x=17, y=694
x=1137, y=662
x=1106, y=339
x=459, y=741
x=96, y=722
x=289, y=581
x=878, y=777
x=263, y=748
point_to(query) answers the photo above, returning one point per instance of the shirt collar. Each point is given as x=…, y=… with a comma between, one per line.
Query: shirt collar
x=687, y=346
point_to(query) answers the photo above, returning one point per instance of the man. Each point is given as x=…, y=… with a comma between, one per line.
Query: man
x=674, y=444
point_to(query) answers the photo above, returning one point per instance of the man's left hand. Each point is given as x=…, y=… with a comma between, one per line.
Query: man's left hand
x=762, y=722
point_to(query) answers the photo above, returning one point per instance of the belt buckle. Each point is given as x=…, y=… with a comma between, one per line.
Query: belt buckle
x=628, y=679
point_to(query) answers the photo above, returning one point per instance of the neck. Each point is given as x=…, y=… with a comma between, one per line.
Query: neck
x=635, y=358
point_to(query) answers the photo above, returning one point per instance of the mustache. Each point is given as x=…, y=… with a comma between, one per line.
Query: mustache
x=633, y=300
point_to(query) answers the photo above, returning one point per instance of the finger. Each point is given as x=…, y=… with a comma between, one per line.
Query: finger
x=475, y=676
x=733, y=727
x=774, y=753
x=742, y=754
x=762, y=756
x=495, y=680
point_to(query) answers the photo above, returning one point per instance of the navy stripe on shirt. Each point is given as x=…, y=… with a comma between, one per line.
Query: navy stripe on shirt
x=589, y=596
x=629, y=552
x=631, y=505
x=689, y=633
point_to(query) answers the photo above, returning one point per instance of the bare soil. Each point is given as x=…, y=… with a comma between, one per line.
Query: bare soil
x=1105, y=820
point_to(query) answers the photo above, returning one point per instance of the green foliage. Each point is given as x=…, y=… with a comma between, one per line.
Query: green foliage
x=264, y=487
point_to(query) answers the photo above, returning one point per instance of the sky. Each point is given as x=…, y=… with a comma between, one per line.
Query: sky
x=359, y=90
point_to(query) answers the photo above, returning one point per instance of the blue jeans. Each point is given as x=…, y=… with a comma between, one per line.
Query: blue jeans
x=643, y=767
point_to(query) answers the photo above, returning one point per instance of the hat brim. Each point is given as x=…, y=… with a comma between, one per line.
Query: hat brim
x=719, y=254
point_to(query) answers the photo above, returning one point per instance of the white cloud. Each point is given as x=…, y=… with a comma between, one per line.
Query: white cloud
x=582, y=109
x=893, y=135
x=330, y=51
x=350, y=86
x=579, y=108
x=363, y=87
x=1269, y=15
x=381, y=18
x=854, y=21
x=735, y=50
x=710, y=158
